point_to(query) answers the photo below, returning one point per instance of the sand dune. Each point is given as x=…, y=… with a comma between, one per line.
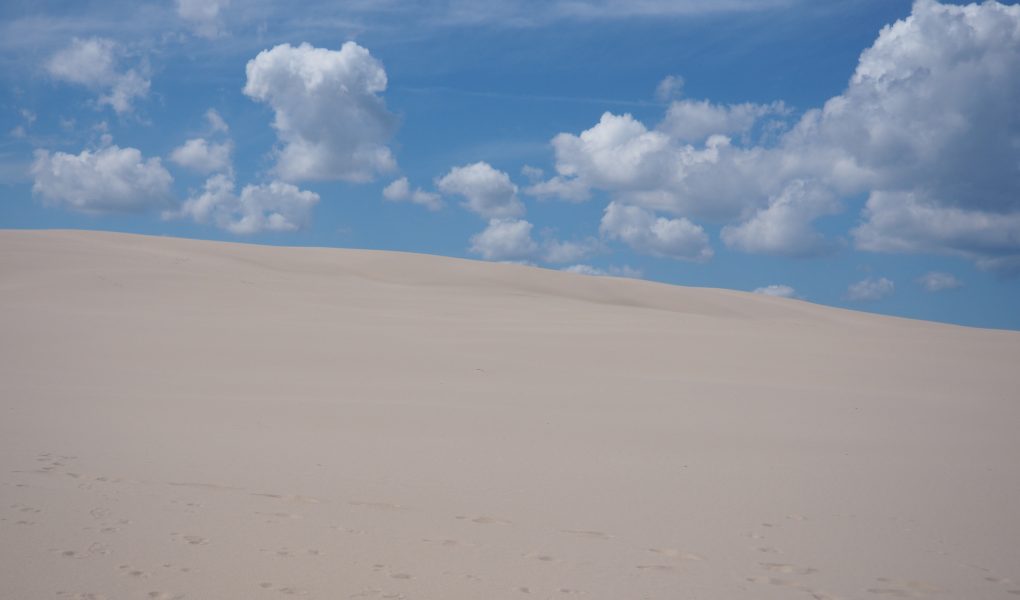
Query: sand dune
x=187, y=419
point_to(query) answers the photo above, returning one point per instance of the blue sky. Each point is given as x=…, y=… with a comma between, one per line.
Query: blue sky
x=861, y=153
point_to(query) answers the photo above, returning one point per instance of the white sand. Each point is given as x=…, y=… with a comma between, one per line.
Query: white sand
x=185, y=419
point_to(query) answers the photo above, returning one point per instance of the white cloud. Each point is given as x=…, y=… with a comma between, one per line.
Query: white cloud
x=505, y=239
x=329, y=115
x=560, y=188
x=510, y=239
x=777, y=289
x=203, y=156
x=94, y=63
x=611, y=271
x=532, y=174
x=400, y=191
x=276, y=206
x=784, y=227
x=561, y=252
x=488, y=192
x=650, y=168
x=110, y=179
x=926, y=128
x=532, y=14
x=202, y=15
x=935, y=281
x=670, y=88
x=696, y=120
x=907, y=222
x=617, y=154
x=870, y=289
x=658, y=236
x=216, y=122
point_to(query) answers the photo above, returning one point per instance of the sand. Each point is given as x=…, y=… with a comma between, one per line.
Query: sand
x=190, y=419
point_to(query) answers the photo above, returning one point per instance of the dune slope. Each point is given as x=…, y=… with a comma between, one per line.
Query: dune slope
x=187, y=419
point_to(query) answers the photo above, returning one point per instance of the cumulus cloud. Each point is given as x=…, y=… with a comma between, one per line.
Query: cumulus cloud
x=203, y=156
x=696, y=120
x=870, y=289
x=560, y=188
x=510, y=239
x=202, y=15
x=611, y=271
x=95, y=63
x=216, y=122
x=926, y=128
x=532, y=174
x=784, y=226
x=658, y=236
x=400, y=191
x=330, y=117
x=561, y=252
x=505, y=239
x=275, y=206
x=107, y=180
x=777, y=289
x=935, y=281
x=908, y=222
x=671, y=87
x=652, y=169
x=487, y=192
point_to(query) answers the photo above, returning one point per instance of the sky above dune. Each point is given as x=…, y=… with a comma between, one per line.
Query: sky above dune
x=858, y=153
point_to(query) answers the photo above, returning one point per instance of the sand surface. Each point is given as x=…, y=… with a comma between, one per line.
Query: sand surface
x=187, y=419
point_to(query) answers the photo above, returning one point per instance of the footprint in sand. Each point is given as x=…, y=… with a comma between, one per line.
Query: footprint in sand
x=205, y=486
x=788, y=569
x=173, y=566
x=132, y=572
x=794, y=585
x=678, y=554
x=113, y=528
x=393, y=575
x=286, y=590
x=903, y=589
x=276, y=517
x=588, y=534
x=484, y=520
x=1004, y=581
x=193, y=540
x=24, y=508
x=290, y=498
x=541, y=557
x=446, y=543
x=93, y=550
x=378, y=505
x=656, y=568
x=287, y=552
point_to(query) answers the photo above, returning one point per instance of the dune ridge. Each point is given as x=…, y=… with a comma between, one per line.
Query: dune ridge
x=192, y=419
